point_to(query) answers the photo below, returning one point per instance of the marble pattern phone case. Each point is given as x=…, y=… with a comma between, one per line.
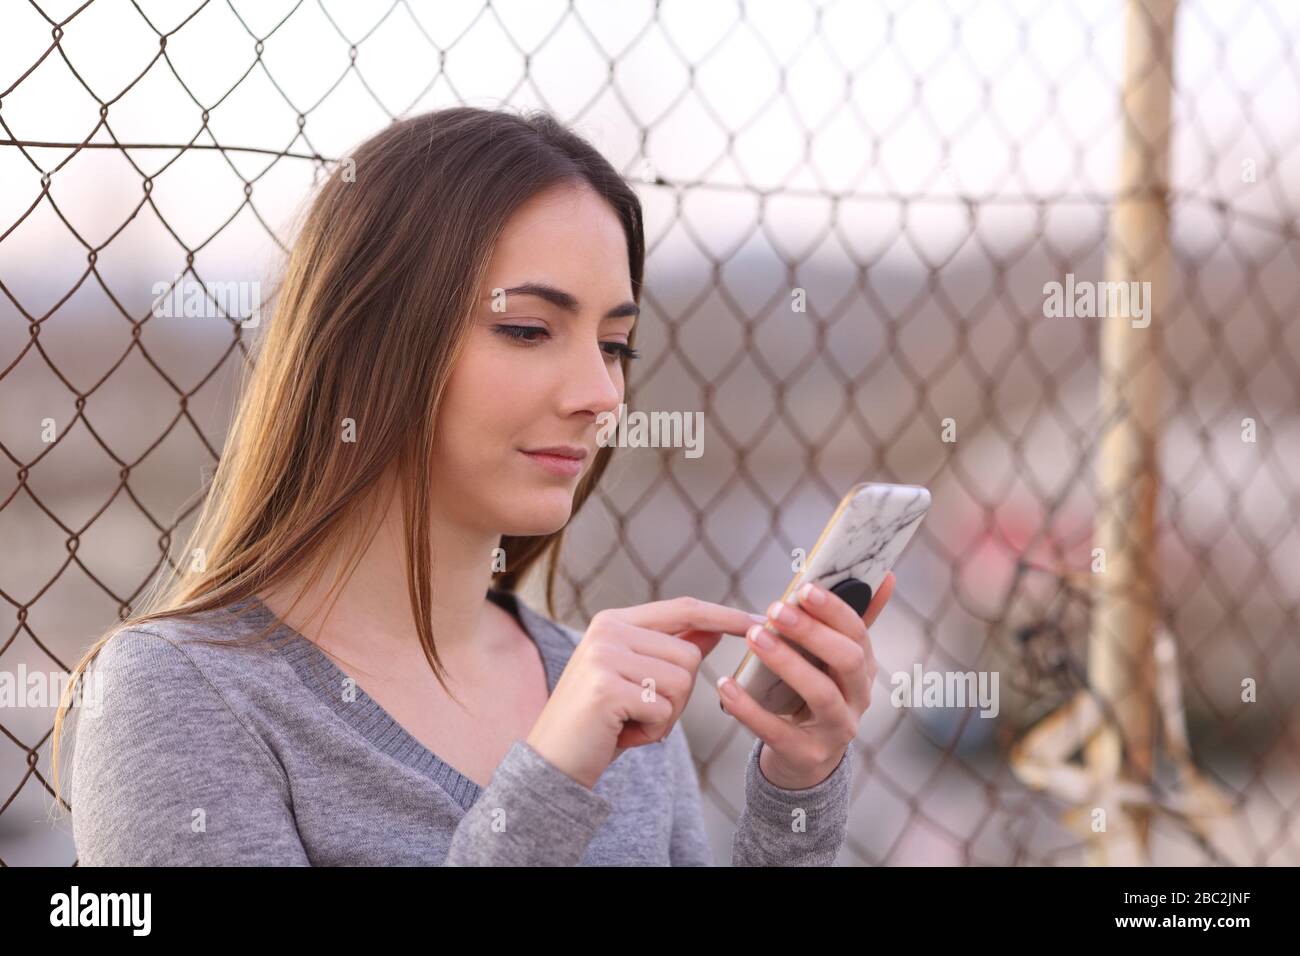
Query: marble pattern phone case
x=862, y=540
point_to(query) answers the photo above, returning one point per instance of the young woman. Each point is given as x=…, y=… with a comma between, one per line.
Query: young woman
x=341, y=672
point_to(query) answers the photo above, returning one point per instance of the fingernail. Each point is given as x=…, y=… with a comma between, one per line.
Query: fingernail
x=811, y=594
x=759, y=635
x=727, y=687
x=759, y=618
x=780, y=611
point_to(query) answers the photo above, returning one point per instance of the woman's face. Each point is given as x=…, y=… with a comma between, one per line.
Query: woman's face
x=537, y=368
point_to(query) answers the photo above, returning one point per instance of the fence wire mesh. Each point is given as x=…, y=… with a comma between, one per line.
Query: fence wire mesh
x=912, y=175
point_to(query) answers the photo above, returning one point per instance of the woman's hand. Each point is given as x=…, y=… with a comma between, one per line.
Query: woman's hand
x=628, y=681
x=803, y=749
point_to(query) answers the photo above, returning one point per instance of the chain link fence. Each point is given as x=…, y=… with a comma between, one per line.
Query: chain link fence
x=854, y=215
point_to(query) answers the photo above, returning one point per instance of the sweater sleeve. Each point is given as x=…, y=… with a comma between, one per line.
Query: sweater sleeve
x=531, y=813
x=164, y=773
x=792, y=827
x=776, y=828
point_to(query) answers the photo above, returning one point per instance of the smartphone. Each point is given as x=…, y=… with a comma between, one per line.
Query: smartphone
x=857, y=548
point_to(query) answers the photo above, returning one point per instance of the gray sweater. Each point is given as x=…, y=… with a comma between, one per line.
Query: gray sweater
x=205, y=754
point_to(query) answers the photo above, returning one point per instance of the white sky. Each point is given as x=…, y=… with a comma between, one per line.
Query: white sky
x=879, y=86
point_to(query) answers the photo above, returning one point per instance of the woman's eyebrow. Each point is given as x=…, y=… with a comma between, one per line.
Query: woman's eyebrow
x=567, y=301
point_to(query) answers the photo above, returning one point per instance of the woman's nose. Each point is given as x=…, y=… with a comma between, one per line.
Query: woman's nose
x=591, y=381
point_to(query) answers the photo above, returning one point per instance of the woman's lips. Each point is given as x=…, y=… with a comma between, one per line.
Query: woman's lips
x=557, y=464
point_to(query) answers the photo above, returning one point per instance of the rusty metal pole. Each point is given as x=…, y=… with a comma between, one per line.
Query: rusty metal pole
x=1126, y=594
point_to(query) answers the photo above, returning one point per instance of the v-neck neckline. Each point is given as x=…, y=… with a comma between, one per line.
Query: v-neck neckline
x=326, y=680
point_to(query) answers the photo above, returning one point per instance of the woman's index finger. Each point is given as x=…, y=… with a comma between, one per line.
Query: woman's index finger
x=688, y=614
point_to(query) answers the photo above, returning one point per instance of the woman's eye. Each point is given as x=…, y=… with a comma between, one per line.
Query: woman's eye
x=531, y=335
x=620, y=350
x=522, y=333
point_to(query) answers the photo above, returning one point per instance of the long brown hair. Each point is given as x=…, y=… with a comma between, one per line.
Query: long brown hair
x=371, y=313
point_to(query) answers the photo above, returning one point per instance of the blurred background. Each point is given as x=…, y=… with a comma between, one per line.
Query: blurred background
x=920, y=171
